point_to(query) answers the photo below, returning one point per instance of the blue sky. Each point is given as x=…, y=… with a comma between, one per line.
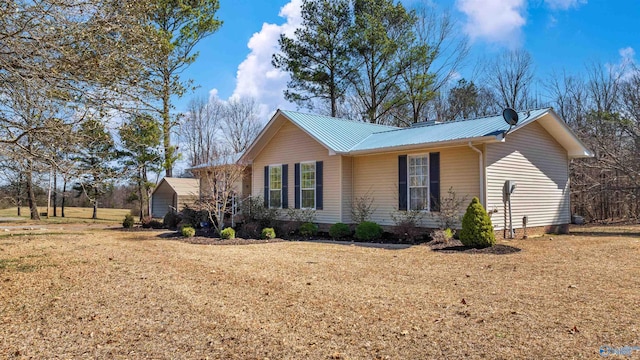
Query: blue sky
x=561, y=35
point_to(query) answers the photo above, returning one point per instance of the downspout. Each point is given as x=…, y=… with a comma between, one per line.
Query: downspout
x=481, y=168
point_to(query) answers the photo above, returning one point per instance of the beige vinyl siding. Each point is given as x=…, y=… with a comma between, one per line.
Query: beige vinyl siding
x=377, y=175
x=539, y=166
x=347, y=188
x=291, y=145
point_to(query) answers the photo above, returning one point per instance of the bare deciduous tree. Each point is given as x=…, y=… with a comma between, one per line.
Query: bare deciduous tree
x=201, y=130
x=241, y=123
x=220, y=184
x=437, y=53
x=510, y=76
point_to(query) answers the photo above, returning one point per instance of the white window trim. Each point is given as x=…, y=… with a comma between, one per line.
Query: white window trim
x=315, y=184
x=428, y=187
x=270, y=188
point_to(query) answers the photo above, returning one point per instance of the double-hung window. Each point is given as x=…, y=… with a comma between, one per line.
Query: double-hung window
x=418, y=169
x=275, y=186
x=308, y=185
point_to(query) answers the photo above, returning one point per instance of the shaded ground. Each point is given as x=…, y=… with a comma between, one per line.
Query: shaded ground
x=116, y=294
x=454, y=246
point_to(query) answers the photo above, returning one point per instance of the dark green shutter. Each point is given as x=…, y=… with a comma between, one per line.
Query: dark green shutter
x=296, y=181
x=402, y=182
x=285, y=186
x=319, y=202
x=266, y=186
x=434, y=180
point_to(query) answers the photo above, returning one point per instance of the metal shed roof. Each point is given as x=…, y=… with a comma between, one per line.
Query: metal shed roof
x=490, y=126
x=342, y=136
x=182, y=186
x=339, y=135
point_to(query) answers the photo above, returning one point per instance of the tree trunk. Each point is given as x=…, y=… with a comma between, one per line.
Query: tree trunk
x=140, y=196
x=147, y=191
x=19, y=197
x=64, y=196
x=95, y=210
x=33, y=206
x=166, y=125
x=55, y=193
x=49, y=193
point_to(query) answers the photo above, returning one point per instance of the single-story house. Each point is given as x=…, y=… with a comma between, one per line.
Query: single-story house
x=310, y=161
x=171, y=194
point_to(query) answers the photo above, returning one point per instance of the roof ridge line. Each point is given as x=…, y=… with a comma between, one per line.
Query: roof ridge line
x=343, y=119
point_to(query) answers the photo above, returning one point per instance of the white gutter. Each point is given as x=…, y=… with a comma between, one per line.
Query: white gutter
x=481, y=166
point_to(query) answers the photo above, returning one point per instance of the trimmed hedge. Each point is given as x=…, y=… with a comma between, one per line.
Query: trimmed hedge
x=339, y=231
x=188, y=231
x=268, y=233
x=308, y=229
x=368, y=231
x=228, y=233
x=477, y=230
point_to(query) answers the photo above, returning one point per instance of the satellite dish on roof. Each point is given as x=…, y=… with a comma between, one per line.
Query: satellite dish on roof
x=510, y=116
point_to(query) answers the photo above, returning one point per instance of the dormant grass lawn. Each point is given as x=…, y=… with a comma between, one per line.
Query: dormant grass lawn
x=117, y=294
x=72, y=215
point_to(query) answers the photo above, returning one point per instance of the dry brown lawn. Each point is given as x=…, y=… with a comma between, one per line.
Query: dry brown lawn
x=116, y=294
x=72, y=215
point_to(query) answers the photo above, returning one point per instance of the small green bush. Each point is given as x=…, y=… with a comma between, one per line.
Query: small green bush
x=339, y=231
x=368, y=231
x=171, y=220
x=128, y=221
x=448, y=233
x=308, y=229
x=188, y=231
x=228, y=233
x=477, y=230
x=268, y=233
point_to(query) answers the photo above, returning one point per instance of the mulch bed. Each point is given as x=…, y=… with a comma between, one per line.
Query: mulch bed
x=200, y=240
x=209, y=240
x=455, y=246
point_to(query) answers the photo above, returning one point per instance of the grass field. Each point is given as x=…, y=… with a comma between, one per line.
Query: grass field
x=119, y=294
x=72, y=215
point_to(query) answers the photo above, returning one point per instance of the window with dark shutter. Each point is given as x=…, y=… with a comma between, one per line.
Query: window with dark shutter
x=308, y=185
x=434, y=180
x=275, y=186
x=296, y=180
x=402, y=182
x=285, y=186
x=266, y=186
x=319, y=188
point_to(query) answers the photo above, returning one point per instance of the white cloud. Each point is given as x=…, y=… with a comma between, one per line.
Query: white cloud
x=626, y=66
x=497, y=21
x=256, y=77
x=564, y=4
